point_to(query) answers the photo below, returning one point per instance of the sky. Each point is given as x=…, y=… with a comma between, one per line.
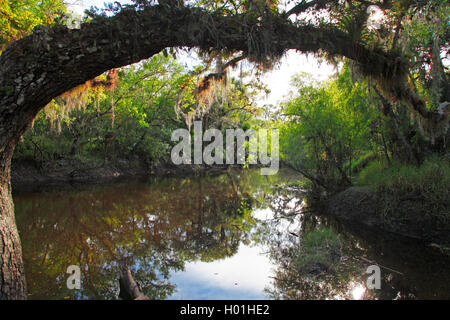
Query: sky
x=278, y=80
x=243, y=276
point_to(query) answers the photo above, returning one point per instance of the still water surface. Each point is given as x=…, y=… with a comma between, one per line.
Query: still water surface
x=232, y=236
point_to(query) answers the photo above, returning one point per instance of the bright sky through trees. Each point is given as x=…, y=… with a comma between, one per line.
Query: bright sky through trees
x=278, y=80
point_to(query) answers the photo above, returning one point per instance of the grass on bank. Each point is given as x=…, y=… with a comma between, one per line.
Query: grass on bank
x=426, y=187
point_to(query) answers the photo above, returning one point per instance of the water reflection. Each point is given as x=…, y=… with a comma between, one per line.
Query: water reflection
x=202, y=238
x=318, y=258
x=156, y=225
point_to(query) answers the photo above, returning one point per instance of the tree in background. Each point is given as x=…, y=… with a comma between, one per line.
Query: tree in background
x=19, y=17
x=326, y=127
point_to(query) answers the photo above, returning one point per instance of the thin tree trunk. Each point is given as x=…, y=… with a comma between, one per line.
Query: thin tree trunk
x=385, y=148
x=74, y=148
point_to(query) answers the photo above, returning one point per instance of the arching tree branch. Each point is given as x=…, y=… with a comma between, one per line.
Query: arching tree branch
x=42, y=66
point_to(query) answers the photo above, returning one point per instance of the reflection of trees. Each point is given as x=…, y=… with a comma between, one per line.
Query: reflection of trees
x=283, y=234
x=159, y=226
x=156, y=227
x=293, y=280
x=408, y=270
x=292, y=283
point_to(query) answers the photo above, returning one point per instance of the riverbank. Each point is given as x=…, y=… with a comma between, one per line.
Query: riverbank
x=362, y=206
x=28, y=175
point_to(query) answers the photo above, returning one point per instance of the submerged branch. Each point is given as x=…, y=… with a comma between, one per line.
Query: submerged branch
x=129, y=289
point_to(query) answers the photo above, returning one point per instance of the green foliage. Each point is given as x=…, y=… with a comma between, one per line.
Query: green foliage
x=329, y=125
x=19, y=17
x=427, y=187
x=433, y=175
x=362, y=162
x=134, y=119
x=425, y=41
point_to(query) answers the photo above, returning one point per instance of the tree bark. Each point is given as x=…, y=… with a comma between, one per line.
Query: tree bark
x=129, y=289
x=12, y=277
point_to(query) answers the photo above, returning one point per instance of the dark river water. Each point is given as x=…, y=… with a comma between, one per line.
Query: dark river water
x=238, y=235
